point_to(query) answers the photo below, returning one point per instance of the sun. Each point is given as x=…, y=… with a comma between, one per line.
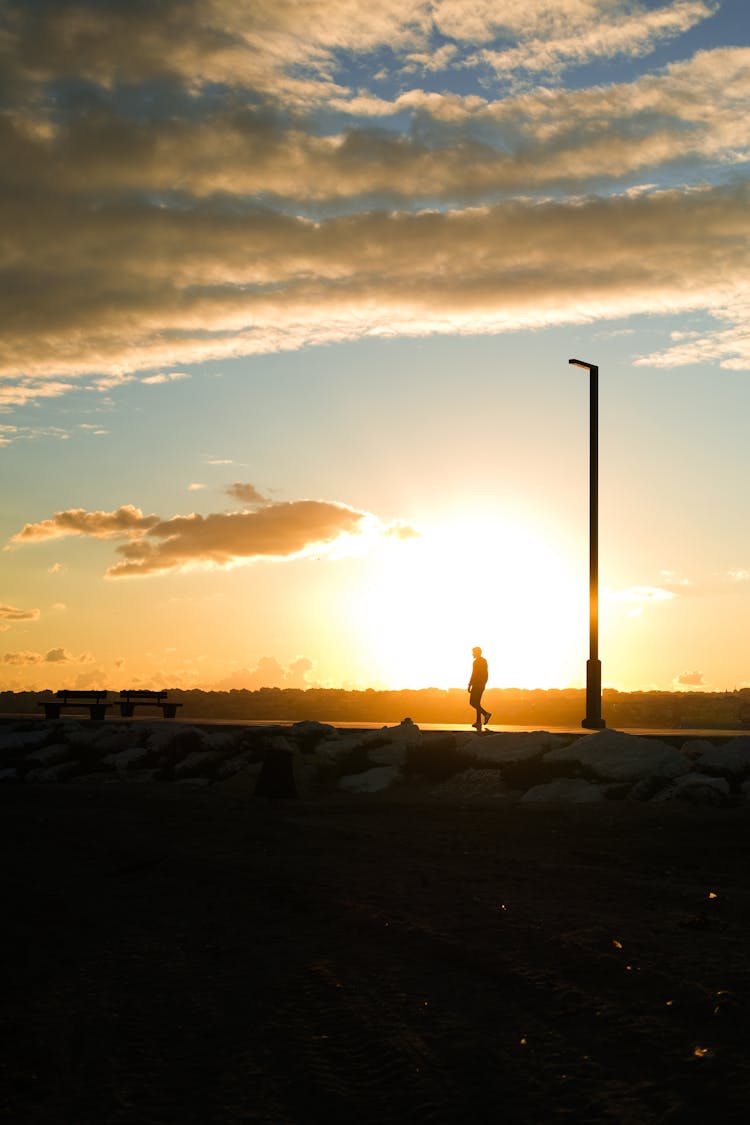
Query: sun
x=505, y=586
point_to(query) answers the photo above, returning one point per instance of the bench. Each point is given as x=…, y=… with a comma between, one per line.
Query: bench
x=129, y=700
x=95, y=701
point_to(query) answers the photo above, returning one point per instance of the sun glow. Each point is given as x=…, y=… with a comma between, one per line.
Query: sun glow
x=503, y=586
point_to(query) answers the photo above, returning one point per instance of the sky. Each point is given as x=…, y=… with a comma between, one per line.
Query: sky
x=289, y=290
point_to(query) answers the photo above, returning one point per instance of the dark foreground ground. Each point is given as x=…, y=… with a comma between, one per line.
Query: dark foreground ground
x=174, y=956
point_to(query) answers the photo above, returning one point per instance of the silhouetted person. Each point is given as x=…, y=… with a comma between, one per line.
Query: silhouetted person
x=477, y=684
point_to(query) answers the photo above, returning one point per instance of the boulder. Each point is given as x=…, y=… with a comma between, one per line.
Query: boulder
x=13, y=740
x=392, y=755
x=730, y=760
x=238, y=762
x=309, y=733
x=111, y=742
x=167, y=735
x=510, y=747
x=199, y=763
x=698, y=789
x=471, y=784
x=82, y=738
x=407, y=733
x=222, y=741
x=612, y=755
x=49, y=755
x=46, y=774
x=570, y=790
x=331, y=749
x=124, y=760
x=692, y=748
x=371, y=781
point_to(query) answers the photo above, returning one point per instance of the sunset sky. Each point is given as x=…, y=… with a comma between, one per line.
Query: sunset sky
x=289, y=293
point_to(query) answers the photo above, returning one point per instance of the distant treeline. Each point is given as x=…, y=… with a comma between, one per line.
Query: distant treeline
x=565, y=707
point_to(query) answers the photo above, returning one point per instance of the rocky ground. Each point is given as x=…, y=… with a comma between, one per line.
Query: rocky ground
x=448, y=941
x=313, y=759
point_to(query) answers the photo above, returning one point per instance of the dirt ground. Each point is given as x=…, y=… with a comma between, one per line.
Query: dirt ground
x=179, y=956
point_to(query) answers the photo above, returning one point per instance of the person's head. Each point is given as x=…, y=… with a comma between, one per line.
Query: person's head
x=476, y=651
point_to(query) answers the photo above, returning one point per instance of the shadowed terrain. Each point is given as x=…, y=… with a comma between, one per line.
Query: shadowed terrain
x=173, y=955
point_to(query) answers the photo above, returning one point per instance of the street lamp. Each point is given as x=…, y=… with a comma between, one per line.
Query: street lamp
x=593, y=720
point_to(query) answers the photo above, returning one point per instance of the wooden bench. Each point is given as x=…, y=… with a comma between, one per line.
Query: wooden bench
x=129, y=700
x=95, y=701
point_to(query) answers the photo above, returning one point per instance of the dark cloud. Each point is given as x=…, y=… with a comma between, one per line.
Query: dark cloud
x=54, y=656
x=10, y=613
x=172, y=174
x=245, y=493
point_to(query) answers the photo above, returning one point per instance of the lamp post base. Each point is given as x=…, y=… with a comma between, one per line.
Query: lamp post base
x=593, y=720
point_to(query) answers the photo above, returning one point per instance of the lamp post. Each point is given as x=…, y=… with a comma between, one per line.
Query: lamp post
x=593, y=720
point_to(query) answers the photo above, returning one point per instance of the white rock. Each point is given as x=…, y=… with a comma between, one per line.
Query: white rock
x=280, y=742
x=733, y=758
x=615, y=756
x=233, y=765
x=48, y=774
x=219, y=740
x=472, y=783
x=329, y=750
x=110, y=742
x=371, y=781
x=161, y=739
x=510, y=747
x=407, y=733
x=22, y=739
x=309, y=727
x=393, y=755
x=568, y=789
x=692, y=748
x=125, y=759
x=697, y=788
x=49, y=755
x=82, y=737
x=197, y=762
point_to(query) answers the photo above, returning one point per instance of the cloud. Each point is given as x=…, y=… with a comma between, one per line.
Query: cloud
x=172, y=377
x=53, y=656
x=76, y=521
x=639, y=594
x=22, y=658
x=268, y=673
x=10, y=613
x=246, y=493
x=144, y=232
x=259, y=45
x=273, y=531
x=555, y=37
x=282, y=282
x=196, y=487
x=691, y=679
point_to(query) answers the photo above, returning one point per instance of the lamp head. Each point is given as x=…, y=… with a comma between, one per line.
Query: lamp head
x=582, y=363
